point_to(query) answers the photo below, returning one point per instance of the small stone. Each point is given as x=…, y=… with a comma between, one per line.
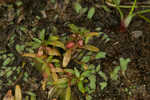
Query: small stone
x=136, y=34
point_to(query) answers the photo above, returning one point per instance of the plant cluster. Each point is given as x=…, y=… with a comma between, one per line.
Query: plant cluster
x=54, y=55
x=126, y=19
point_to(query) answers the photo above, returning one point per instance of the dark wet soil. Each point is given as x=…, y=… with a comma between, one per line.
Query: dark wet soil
x=125, y=44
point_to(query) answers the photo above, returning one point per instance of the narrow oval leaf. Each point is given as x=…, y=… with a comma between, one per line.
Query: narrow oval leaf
x=33, y=98
x=69, y=71
x=53, y=38
x=42, y=34
x=67, y=57
x=53, y=70
x=52, y=51
x=86, y=74
x=91, y=34
x=81, y=87
x=91, y=48
x=77, y=7
x=54, y=76
x=56, y=44
x=18, y=94
x=91, y=12
x=77, y=73
x=92, y=79
x=100, y=55
x=68, y=93
x=60, y=81
x=29, y=55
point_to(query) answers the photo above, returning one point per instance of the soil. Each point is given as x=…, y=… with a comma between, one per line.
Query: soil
x=122, y=44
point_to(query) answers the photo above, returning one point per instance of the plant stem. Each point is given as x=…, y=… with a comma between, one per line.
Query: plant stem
x=133, y=7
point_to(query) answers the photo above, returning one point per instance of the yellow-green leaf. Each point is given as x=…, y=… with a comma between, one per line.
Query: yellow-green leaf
x=81, y=87
x=67, y=57
x=33, y=98
x=68, y=93
x=91, y=34
x=56, y=44
x=54, y=76
x=52, y=51
x=53, y=38
x=29, y=55
x=60, y=81
x=18, y=94
x=91, y=48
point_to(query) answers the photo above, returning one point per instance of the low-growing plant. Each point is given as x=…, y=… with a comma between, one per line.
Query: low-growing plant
x=54, y=55
x=126, y=20
x=53, y=65
x=122, y=68
x=18, y=95
x=80, y=10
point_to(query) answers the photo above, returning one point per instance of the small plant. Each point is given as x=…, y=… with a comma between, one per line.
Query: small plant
x=53, y=65
x=17, y=96
x=122, y=68
x=80, y=10
x=126, y=20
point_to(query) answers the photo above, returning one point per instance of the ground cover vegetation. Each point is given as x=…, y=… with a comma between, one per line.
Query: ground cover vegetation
x=74, y=50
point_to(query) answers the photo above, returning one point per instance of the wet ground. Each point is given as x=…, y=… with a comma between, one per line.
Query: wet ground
x=20, y=21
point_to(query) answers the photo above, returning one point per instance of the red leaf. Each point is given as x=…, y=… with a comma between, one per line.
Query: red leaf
x=70, y=45
x=80, y=43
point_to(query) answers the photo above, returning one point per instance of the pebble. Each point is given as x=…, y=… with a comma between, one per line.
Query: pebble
x=136, y=34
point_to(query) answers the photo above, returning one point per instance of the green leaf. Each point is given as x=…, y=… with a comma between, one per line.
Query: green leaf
x=73, y=28
x=9, y=73
x=20, y=48
x=27, y=98
x=91, y=48
x=117, y=2
x=19, y=3
x=92, y=79
x=81, y=87
x=42, y=34
x=69, y=71
x=85, y=59
x=77, y=7
x=91, y=67
x=68, y=93
x=91, y=12
x=103, y=85
x=60, y=81
x=102, y=74
x=33, y=98
x=30, y=93
x=37, y=40
x=100, y=55
x=56, y=44
x=7, y=61
x=86, y=74
x=98, y=68
x=88, y=97
x=91, y=34
x=83, y=10
x=123, y=64
x=77, y=73
x=53, y=38
x=114, y=74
